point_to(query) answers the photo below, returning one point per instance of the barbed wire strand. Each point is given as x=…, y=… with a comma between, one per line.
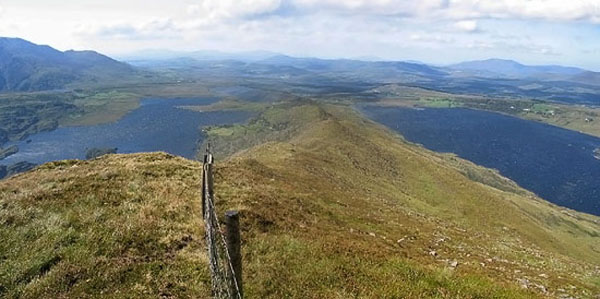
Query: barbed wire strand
x=224, y=243
x=212, y=244
x=213, y=217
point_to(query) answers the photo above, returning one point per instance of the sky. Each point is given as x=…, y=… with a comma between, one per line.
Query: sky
x=563, y=32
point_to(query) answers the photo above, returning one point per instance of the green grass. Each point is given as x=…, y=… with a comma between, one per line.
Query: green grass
x=542, y=108
x=229, y=104
x=356, y=175
x=104, y=228
x=324, y=197
x=102, y=107
x=439, y=103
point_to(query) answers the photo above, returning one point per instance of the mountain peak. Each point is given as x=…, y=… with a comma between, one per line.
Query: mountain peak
x=25, y=66
x=495, y=67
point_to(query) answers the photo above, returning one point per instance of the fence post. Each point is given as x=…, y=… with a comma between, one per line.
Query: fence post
x=211, y=224
x=232, y=224
x=204, y=186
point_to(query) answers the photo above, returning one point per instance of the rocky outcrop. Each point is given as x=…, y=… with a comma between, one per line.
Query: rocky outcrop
x=94, y=153
x=6, y=152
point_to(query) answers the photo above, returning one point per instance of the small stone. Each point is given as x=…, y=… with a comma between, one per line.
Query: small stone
x=523, y=282
x=433, y=253
x=541, y=288
x=543, y=275
x=372, y=234
x=400, y=241
x=454, y=264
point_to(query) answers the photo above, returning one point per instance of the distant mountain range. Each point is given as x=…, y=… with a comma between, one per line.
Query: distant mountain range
x=25, y=66
x=156, y=54
x=490, y=68
x=502, y=68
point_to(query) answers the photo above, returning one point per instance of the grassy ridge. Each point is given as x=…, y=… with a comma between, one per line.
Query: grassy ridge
x=332, y=206
x=355, y=176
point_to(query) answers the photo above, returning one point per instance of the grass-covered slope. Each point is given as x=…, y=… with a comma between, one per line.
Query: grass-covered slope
x=332, y=205
x=119, y=226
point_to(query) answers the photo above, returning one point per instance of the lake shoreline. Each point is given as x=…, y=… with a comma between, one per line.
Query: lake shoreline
x=529, y=152
x=157, y=125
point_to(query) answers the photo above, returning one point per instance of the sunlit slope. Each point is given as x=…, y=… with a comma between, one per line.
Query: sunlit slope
x=332, y=205
x=362, y=192
x=122, y=225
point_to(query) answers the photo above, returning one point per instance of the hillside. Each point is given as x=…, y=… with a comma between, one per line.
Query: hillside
x=591, y=78
x=332, y=205
x=25, y=66
x=512, y=69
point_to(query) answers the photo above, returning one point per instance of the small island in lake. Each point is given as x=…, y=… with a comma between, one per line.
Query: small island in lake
x=6, y=152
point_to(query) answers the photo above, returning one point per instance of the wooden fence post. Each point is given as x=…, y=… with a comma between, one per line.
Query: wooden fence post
x=207, y=180
x=204, y=186
x=232, y=224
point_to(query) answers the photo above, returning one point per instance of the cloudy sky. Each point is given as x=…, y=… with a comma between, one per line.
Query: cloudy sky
x=435, y=31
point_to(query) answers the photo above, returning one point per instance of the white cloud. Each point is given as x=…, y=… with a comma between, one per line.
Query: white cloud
x=227, y=9
x=381, y=7
x=552, y=10
x=466, y=26
x=391, y=29
x=431, y=38
x=154, y=29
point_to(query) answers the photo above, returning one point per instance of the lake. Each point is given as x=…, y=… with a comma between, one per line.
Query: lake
x=157, y=125
x=555, y=163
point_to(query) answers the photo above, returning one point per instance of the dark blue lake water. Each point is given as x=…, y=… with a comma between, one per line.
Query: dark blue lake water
x=157, y=125
x=555, y=163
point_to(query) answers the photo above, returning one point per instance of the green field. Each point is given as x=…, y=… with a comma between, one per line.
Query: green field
x=102, y=107
x=585, y=119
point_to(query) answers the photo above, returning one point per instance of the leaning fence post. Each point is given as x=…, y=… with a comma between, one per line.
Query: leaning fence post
x=232, y=224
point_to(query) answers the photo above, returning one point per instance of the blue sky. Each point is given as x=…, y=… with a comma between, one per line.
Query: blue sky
x=433, y=31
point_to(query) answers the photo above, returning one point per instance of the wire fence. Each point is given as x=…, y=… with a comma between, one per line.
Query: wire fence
x=223, y=252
